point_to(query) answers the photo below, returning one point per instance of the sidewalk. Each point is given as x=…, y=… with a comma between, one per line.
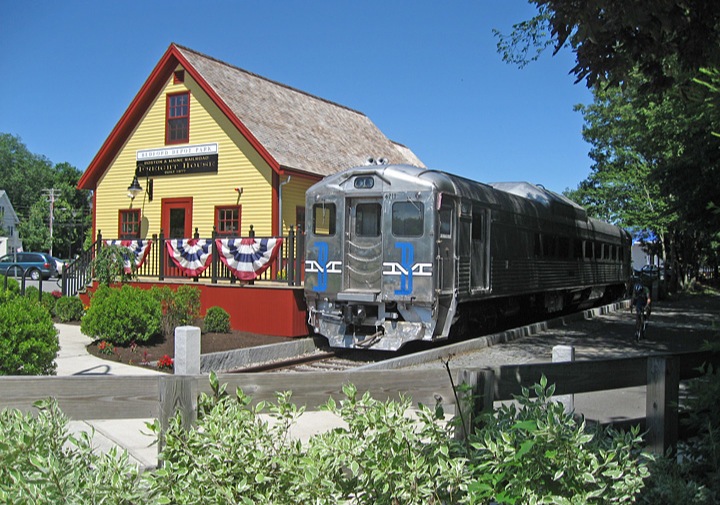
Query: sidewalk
x=127, y=434
x=130, y=434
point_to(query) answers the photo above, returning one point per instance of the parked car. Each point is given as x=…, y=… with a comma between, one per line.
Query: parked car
x=59, y=265
x=35, y=263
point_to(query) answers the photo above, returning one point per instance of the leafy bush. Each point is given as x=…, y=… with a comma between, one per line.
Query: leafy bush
x=234, y=455
x=41, y=463
x=217, y=320
x=28, y=339
x=180, y=307
x=537, y=453
x=32, y=293
x=109, y=265
x=12, y=284
x=69, y=308
x=121, y=315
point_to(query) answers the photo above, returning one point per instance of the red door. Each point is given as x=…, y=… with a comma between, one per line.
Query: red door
x=176, y=223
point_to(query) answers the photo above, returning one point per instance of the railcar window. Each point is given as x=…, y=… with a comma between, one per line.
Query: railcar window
x=408, y=219
x=578, y=249
x=367, y=219
x=324, y=219
x=478, y=225
x=563, y=247
x=446, y=216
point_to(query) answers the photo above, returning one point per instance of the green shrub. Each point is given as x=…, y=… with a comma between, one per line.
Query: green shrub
x=69, y=308
x=217, y=320
x=28, y=339
x=40, y=462
x=32, y=293
x=535, y=452
x=121, y=315
x=179, y=307
x=109, y=265
x=12, y=284
x=234, y=455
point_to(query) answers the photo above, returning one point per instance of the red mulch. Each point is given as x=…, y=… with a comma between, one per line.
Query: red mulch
x=147, y=354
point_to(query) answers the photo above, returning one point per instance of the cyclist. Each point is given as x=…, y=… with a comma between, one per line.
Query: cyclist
x=641, y=302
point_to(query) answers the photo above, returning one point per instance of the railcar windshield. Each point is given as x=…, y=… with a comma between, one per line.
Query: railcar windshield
x=408, y=219
x=323, y=219
x=367, y=220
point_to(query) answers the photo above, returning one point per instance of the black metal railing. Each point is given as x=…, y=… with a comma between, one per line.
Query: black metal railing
x=287, y=268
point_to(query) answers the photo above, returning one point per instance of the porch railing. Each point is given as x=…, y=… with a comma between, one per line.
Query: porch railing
x=287, y=268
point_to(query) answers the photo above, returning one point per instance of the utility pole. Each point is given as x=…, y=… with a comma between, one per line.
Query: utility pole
x=51, y=194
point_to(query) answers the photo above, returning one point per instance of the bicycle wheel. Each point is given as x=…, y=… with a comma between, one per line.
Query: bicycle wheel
x=638, y=325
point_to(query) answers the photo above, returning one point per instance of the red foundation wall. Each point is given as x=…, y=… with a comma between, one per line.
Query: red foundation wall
x=265, y=310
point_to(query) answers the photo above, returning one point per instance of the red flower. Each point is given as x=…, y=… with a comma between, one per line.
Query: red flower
x=165, y=362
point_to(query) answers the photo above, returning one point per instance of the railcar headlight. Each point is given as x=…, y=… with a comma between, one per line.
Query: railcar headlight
x=364, y=182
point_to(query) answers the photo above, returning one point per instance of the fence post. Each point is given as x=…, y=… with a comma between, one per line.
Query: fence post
x=187, y=350
x=561, y=353
x=290, y=265
x=215, y=258
x=475, y=399
x=661, y=411
x=178, y=393
x=161, y=256
x=299, y=256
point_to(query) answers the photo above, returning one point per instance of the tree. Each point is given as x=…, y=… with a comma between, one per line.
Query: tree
x=612, y=39
x=27, y=177
x=656, y=168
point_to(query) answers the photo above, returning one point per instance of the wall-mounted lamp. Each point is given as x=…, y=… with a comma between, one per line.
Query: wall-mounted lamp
x=135, y=189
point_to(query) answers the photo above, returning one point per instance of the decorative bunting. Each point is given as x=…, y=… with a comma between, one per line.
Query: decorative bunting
x=138, y=248
x=248, y=258
x=191, y=255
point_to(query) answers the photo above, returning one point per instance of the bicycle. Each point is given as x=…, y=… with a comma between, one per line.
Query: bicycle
x=640, y=323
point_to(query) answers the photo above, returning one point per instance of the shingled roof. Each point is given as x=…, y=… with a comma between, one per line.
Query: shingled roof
x=291, y=129
x=301, y=131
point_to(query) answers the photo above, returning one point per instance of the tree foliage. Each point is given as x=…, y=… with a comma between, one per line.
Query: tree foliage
x=651, y=125
x=612, y=39
x=27, y=179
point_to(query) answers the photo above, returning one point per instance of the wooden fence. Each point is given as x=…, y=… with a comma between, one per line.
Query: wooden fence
x=124, y=397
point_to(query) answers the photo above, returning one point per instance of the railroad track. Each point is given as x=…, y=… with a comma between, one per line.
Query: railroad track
x=320, y=361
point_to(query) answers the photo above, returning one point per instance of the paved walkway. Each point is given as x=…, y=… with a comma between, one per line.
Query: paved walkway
x=129, y=434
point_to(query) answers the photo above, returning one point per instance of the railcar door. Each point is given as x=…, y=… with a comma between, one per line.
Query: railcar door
x=446, y=246
x=447, y=262
x=480, y=250
x=363, y=247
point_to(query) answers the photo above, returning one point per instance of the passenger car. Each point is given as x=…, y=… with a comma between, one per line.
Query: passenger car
x=395, y=254
x=37, y=265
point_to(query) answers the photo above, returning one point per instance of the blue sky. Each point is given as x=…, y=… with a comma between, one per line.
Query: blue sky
x=425, y=72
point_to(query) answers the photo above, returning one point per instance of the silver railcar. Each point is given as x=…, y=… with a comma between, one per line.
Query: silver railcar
x=396, y=253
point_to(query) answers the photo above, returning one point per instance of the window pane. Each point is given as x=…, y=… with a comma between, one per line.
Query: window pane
x=367, y=219
x=446, y=215
x=324, y=219
x=408, y=219
x=228, y=222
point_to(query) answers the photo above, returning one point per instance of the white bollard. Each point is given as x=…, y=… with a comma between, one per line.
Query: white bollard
x=187, y=350
x=564, y=353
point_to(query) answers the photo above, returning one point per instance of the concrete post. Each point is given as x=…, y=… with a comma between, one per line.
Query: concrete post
x=564, y=353
x=187, y=350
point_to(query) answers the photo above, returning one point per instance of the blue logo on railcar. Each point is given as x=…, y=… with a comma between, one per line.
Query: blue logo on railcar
x=322, y=267
x=407, y=268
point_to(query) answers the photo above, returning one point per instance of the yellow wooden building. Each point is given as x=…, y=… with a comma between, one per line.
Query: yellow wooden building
x=208, y=146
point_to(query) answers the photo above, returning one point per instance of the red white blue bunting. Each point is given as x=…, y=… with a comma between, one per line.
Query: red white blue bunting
x=138, y=249
x=248, y=258
x=191, y=255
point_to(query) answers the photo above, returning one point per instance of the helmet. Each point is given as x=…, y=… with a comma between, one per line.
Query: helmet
x=638, y=288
